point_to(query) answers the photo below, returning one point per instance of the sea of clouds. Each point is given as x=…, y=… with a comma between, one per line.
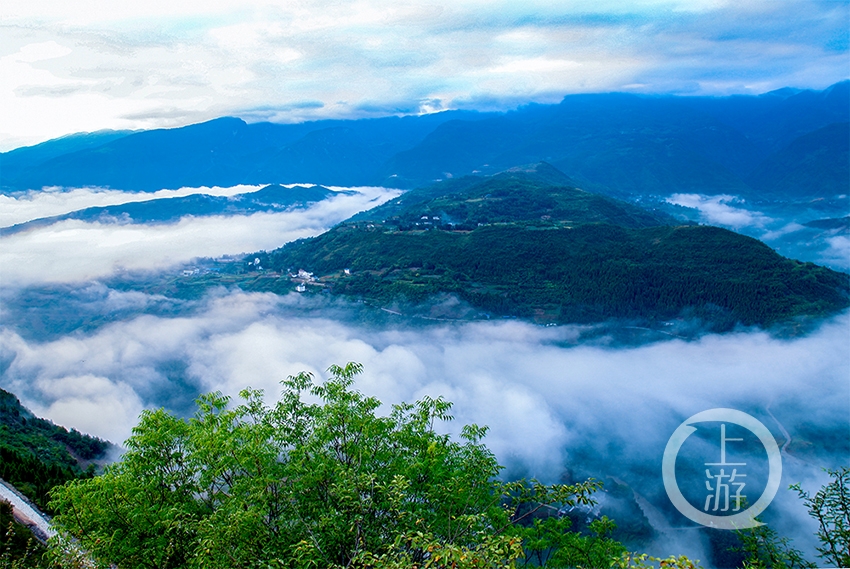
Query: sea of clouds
x=76, y=250
x=551, y=400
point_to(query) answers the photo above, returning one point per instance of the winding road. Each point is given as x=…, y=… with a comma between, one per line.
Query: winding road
x=26, y=512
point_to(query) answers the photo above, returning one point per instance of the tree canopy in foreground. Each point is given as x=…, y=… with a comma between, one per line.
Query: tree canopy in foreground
x=328, y=483
x=321, y=480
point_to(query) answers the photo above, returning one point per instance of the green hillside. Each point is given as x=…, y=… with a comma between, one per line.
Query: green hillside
x=36, y=455
x=584, y=273
x=539, y=193
x=526, y=243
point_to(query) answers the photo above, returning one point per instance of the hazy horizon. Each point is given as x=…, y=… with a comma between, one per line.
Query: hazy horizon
x=249, y=119
x=126, y=66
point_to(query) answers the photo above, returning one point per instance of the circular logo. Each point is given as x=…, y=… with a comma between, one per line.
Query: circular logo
x=743, y=519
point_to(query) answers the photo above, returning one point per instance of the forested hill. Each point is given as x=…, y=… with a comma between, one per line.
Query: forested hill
x=36, y=455
x=586, y=273
x=513, y=245
x=537, y=193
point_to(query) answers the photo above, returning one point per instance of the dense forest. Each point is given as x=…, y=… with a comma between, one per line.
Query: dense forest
x=524, y=243
x=561, y=274
x=536, y=193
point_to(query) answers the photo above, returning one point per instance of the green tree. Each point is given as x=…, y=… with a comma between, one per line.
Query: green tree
x=830, y=506
x=764, y=548
x=329, y=483
x=550, y=543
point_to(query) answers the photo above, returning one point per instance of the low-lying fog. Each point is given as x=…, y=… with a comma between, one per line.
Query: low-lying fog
x=75, y=250
x=557, y=407
x=782, y=226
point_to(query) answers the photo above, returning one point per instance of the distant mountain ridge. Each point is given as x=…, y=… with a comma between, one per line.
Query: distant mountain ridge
x=273, y=198
x=620, y=143
x=813, y=165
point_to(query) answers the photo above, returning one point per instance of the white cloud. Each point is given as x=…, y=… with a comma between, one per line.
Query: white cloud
x=535, y=65
x=141, y=65
x=545, y=399
x=718, y=210
x=74, y=250
x=838, y=251
x=41, y=51
x=516, y=377
x=49, y=202
x=90, y=402
x=781, y=231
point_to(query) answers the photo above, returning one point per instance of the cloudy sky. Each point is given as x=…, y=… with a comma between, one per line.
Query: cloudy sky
x=90, y=65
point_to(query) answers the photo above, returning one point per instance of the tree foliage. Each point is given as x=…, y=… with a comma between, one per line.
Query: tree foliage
x=328, y=483
x=830, y=507
x=324, y=479
x=18, y=547
x=764, y=548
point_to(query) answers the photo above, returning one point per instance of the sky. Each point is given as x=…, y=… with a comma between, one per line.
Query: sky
x=113, y=64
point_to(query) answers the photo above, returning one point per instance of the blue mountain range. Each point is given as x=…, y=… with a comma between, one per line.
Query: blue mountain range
x=760, y=147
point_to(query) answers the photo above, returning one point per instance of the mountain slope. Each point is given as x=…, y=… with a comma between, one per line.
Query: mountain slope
x=15, y=163
x=538, y=193
x=223, y=152
x=209, y=153
x=628, y=142
x=815, y=165
x=36, y=455
x=326, y=156
x=624, y=142
x=588, y=258
x=773, y=120
x=588, y=273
